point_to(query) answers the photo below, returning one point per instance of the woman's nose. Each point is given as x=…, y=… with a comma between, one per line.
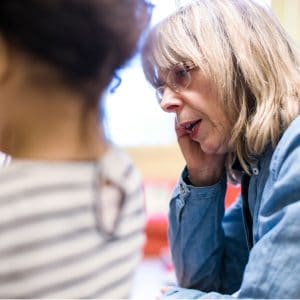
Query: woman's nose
x=171, y=101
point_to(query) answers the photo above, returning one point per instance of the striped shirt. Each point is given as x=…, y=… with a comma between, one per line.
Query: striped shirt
x=70, y=229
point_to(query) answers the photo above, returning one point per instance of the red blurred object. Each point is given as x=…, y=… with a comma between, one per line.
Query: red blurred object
x=156, y=233
x=231, y=194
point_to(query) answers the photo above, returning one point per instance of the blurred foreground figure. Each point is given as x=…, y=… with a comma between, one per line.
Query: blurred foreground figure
x=72, y=211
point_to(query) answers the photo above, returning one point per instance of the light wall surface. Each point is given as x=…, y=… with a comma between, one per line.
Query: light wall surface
x=288, y=12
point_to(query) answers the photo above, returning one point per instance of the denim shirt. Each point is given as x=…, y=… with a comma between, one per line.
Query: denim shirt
x=209, y=246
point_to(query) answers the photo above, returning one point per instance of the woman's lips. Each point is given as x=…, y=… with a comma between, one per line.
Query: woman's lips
x=191, y=127
x=195, y=130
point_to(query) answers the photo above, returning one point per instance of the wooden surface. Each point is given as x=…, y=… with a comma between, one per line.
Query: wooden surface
x=164, y=163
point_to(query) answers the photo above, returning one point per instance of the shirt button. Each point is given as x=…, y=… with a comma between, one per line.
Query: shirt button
x=182, y=190
x=255, y=171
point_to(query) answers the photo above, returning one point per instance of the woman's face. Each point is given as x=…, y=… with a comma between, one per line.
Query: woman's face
x=199, y=113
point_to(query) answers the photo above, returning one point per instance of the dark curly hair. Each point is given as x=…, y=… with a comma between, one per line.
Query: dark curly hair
x=85, y=40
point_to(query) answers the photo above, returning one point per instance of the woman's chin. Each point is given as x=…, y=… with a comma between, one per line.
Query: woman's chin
x=213, y=148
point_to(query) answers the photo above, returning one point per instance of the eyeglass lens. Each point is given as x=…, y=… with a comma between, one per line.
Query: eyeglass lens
x=178, y=78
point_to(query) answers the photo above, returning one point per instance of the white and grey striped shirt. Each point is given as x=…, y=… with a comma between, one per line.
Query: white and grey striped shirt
x=55, y=225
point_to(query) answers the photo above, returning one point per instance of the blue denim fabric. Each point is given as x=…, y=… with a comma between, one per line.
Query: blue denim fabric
x=209, y=247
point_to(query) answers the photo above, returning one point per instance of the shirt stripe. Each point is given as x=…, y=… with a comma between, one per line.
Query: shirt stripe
x=50, y=245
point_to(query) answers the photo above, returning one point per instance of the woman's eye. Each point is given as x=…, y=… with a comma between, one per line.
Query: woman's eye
x=181, y=73
x=180, y=77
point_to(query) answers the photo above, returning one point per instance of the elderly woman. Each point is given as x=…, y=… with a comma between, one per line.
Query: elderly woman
x=231, y=75
x=72, y=207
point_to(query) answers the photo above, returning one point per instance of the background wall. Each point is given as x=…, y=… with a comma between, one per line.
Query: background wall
x=161, y=162
x=288, y=12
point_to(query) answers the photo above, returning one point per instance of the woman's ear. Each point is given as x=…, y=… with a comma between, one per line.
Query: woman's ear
x=4, y=58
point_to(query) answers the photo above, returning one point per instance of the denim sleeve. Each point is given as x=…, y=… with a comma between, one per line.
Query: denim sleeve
x=209, y=250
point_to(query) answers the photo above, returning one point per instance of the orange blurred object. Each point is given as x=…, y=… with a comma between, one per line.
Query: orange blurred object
x=231, y=194
x=156, y=233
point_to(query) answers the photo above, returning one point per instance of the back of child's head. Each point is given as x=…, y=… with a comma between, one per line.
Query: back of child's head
x=84, y=40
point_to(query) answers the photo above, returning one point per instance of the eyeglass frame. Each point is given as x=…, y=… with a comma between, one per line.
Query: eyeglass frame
x=187, y=67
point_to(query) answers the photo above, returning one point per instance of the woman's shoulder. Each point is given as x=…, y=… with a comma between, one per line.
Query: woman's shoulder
x=287, y=151
x=292, y=132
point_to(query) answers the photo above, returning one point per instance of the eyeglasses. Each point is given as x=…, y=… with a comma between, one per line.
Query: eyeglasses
x=178, y=79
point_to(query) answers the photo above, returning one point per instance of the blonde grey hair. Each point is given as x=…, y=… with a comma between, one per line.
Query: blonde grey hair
x=241, y=47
